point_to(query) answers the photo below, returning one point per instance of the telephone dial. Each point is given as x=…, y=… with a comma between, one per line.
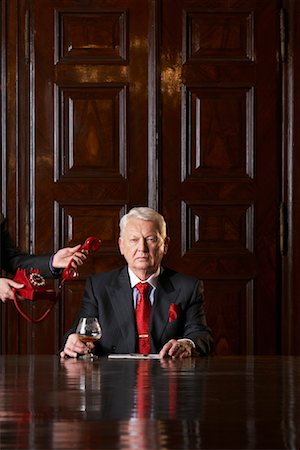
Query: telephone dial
x=35, y=285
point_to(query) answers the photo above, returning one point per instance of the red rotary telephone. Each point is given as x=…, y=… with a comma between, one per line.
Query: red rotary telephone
x=35, y=286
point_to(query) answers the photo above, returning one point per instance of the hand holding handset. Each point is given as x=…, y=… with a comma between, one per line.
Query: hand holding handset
x=91, y=244
x=35, y=286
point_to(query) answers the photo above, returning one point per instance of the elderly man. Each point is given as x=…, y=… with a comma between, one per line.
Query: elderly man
x=50, y=265
x=168, y=318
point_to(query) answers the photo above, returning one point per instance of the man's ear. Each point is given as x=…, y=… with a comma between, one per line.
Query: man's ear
x=166, y=244
x=120, y=242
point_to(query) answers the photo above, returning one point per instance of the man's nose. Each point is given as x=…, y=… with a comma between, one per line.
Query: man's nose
x=143, y=245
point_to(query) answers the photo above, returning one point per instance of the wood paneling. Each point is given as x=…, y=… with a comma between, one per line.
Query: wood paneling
x=220, y=161
x=83, y=95
x=174, y=103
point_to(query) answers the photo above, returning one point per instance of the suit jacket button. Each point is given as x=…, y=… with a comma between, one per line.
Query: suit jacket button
x=113, y=347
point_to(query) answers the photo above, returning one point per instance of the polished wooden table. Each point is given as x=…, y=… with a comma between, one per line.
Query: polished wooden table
x=199, y=403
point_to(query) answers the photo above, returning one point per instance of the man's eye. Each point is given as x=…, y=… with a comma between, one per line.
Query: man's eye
x=133, y=240
x=151, y=240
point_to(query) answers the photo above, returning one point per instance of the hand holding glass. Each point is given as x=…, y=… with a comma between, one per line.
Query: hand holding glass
x=89, y=330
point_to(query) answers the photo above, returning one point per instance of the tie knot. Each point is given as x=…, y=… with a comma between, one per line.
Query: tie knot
x=143, y=288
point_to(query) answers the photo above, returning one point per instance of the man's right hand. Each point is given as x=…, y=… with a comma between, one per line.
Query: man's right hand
x=6, y=289
x=74, y=346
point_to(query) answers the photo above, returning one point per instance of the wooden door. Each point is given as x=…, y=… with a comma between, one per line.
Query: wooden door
x=91, y=70
x=84, y=74
x=221, y=158
x=171, y=103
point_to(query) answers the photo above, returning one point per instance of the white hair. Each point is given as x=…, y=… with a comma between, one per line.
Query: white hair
x=144, y=213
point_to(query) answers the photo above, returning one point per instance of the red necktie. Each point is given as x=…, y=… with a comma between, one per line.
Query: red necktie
x=142, y=313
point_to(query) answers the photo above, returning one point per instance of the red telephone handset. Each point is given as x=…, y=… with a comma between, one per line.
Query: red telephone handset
x=91, y=244
x=35, y=285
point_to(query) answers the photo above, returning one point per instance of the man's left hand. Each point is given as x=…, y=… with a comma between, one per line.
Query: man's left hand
x=177, y=349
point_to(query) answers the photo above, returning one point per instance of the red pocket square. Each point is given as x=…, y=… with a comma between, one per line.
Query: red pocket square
x=174, y=312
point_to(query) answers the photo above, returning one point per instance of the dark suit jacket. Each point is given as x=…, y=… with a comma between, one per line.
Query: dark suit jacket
x=108, y=296
x=11, y=257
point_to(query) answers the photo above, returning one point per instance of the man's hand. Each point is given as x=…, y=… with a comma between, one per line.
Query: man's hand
x=177, y=349
x=62, y=258
x=6, y=289
x=74, y=346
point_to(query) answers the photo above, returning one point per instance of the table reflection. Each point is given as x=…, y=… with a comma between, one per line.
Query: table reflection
x=135, y=389
x=233, y=402
x=145, y=392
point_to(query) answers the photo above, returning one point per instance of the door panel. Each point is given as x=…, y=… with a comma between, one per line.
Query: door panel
x=86, y=68
x=93, y=70
x=220, y=90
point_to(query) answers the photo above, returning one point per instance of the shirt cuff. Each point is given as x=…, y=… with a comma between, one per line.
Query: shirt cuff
x=187, y=340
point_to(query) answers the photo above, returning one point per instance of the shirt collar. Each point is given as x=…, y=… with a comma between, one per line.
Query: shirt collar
x=152, y=280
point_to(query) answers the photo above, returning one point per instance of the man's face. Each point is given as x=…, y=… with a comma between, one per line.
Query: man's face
x=142, y=246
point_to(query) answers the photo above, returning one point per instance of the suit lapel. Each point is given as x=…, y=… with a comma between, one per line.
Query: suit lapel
x=120, y=295
x=165, y=295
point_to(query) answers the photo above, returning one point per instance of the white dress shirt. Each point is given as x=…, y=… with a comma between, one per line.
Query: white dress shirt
x=152, y=280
